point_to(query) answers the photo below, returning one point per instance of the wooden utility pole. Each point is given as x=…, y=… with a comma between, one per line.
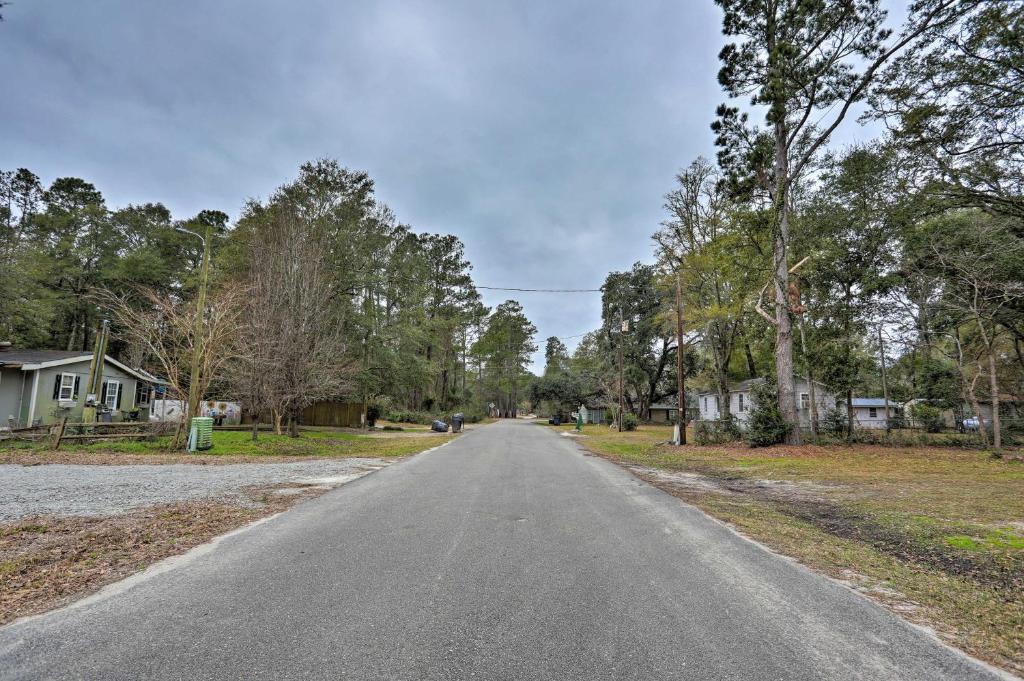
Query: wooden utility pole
x=885, y=383
x=622, y=331
x=680, y=366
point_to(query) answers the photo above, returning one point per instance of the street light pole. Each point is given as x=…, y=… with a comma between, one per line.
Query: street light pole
x=197, y=341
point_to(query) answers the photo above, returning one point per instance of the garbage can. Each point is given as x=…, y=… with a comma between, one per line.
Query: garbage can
x=439, y=427
x=457, y=422
x=200, y=434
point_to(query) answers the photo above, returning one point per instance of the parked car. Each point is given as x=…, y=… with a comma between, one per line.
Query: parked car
x=970, y=424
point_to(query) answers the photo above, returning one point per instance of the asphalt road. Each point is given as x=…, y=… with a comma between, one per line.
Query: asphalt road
x=506, y=554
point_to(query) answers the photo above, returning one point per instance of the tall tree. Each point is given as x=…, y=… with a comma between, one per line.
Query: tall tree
x=807, y=62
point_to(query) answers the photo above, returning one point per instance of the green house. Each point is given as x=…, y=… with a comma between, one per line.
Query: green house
x=44, y=386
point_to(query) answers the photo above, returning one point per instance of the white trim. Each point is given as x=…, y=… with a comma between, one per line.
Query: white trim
x=32, y=400
x=110, y=382
x=81, y=358
x=71, y=388
x=55, y=363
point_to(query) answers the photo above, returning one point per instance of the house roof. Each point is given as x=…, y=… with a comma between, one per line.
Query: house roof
x=20, y=357
x=30, y=360
x=872, y=402
x=747, y=384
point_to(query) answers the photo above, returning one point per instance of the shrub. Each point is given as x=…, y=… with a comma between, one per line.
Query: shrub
x=715, y=432
x=419, y=417
x=929, y=416
x=372, y=414
x=630, y=421
x=766, y=426
x=834, y=422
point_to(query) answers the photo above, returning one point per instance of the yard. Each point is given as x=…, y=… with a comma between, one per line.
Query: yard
x=101, y=512
x=234, y=446
x=934, y=534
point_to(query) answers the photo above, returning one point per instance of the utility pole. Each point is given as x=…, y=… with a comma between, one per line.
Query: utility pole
x=885, y=383
x=622, y=331
x=680, y=367
x=194, y=396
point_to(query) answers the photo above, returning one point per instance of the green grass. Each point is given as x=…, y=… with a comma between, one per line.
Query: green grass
x=310, y=443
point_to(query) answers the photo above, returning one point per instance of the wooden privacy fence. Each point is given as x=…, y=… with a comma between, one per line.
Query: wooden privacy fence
x=335, y=414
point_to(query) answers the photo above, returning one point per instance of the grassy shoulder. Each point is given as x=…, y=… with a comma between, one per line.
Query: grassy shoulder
x=936, y=535
x=236, y=447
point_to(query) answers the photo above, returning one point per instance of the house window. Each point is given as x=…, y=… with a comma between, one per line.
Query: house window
x=873, y=412
x=141, y=394
x=805, y=401
x=740, y=401
x=718, y=404
x=672, y=414
x=67, y=388
x=705, y=405
x=113, y=393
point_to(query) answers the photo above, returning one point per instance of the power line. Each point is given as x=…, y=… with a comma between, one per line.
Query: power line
x=541, y=290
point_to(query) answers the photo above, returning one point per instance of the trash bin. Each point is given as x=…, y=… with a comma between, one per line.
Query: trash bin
x=200, y=434
x=439, y=427
x=457, y=422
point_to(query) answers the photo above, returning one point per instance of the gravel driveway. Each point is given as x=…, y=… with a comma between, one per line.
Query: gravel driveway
x=67, y=490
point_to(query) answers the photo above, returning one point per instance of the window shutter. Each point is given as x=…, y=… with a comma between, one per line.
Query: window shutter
x=75, y=390
x=103, y=392
x=56, y=387
x=119, y=391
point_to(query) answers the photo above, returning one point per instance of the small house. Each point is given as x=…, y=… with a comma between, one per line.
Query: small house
x=741, y=401
x=45, y=386
x=872, y=412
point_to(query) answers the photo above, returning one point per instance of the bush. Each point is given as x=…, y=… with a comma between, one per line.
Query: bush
x=929, y=416
x=715, y=432
x=630, y=421
x=766, y=426
x=419, y=417
x=834, y=422
x=372, y=414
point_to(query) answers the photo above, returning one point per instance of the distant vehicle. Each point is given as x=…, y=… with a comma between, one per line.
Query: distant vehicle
x=970, y=425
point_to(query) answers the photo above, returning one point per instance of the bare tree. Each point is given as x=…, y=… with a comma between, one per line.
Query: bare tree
x=299, y=351
x=165, y=328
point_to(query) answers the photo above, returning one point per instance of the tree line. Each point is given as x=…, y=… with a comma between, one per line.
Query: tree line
x=800, y=257
x=317, y=293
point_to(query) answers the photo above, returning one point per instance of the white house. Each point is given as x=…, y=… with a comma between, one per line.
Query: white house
x=871, y=412
x=741, y=402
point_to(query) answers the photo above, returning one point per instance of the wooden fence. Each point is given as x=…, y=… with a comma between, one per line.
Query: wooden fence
x=335, y=414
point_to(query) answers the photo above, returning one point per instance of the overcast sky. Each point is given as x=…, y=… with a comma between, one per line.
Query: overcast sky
x=544, y=134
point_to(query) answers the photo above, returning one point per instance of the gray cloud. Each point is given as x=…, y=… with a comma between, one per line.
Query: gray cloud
x=543, y=134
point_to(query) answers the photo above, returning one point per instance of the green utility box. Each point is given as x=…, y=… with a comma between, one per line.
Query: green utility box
x=200, y=435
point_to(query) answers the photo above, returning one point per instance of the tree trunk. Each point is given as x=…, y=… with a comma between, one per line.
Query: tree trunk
x=997, y=436
x=849, y=414
x=783, y=323
x=255, y=427
x=277, y=422
x=293, y=423
x=751, y=366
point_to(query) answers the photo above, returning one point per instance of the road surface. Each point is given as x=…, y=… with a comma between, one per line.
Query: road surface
x=507, y=554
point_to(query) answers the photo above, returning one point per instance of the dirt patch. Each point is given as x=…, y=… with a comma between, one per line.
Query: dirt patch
x=807, y=502
x=46, y=562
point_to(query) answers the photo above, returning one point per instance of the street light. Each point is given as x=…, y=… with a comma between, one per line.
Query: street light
x=197, y=341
